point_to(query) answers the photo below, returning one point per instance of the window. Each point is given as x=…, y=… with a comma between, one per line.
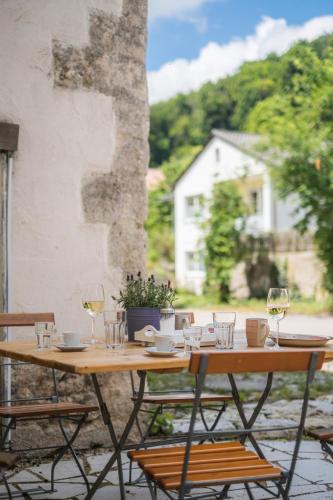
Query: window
x=256, y=201
x=217, y=155
x=195, y=261
x=194, y=206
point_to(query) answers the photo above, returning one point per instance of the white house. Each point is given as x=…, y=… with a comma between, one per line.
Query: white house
x=227, y=156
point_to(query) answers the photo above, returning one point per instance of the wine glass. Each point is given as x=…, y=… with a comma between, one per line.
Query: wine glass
x=277, y=306
x=93, y=303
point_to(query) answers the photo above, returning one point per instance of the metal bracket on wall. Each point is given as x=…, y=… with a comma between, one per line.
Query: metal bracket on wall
x=9, y=133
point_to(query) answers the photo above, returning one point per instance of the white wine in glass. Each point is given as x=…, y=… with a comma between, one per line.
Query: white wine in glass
x=93, y=303
x=277, y=306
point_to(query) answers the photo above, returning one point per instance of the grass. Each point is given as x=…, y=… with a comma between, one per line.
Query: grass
x=299, y=305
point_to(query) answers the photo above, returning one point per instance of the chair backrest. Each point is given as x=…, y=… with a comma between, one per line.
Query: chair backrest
x=25, y=319
x=255, y=361
x=21, y=320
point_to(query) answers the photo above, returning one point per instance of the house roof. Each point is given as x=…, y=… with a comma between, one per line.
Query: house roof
x=241, y=140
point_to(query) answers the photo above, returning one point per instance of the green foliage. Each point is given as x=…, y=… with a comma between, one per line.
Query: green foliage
x=146, y=293
x=163, y=424
x=223, y=238
x=299, y=122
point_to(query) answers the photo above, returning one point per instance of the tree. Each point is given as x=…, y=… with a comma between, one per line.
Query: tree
x=223, y=237
x=299, y=125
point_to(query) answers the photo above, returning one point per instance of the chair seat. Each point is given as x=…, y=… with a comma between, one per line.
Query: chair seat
x=183, y=398
x=209, y=464
x=7, y=460
x=322, y=434
x=47, y=409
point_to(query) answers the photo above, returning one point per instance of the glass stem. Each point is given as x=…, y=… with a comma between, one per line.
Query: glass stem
x=92, y=329
x=277, y=331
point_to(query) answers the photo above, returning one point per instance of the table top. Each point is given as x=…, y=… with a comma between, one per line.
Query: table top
x=98, y=359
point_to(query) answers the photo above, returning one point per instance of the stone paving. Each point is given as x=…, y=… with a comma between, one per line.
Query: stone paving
x=313, y=478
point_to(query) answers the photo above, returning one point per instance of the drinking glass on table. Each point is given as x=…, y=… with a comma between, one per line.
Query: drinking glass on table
x=45, y=332
x=224, y=328
x=192, y=337
x=114, y=330
x=277, y=305
x=93, y=303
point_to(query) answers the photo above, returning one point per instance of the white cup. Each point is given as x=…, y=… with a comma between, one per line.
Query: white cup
x=71, y=338
x=164, y=343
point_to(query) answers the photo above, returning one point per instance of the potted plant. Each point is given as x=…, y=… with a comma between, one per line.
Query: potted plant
x=143, y=299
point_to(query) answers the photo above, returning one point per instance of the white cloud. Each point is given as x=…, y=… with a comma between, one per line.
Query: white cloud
x=215, y=61
x=172, y=8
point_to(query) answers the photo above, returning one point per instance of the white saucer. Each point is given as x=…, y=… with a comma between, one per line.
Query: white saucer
x=163, y=354
x=72, y=348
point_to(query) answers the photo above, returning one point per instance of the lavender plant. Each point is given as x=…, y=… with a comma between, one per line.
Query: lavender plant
x=141, y=292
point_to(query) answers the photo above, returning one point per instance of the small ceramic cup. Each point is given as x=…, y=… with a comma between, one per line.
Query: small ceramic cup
x=257, y=330
x=164, y=343
x=71, y=338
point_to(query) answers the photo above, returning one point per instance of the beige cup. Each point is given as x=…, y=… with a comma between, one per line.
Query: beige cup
x=257, y=330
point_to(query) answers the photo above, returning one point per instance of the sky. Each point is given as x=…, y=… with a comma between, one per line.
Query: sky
x=191, y=42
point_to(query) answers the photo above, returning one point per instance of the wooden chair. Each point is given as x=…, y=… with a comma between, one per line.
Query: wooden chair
x=13, y=411
x=177, y=470
x=167, y=400
x=325, y=437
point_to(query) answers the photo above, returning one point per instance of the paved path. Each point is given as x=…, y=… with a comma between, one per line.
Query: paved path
x=313, y=479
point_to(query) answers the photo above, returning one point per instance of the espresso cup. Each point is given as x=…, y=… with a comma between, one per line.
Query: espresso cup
x=71, y=338
x=164, y=343
x=257, y=330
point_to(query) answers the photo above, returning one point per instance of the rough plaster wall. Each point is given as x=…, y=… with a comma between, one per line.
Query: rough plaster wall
x=75, y=83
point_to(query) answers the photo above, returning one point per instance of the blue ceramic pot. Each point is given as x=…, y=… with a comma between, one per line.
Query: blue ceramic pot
x=139, y=317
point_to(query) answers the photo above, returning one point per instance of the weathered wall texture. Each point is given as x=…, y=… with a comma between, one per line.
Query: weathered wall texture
x=73, y=77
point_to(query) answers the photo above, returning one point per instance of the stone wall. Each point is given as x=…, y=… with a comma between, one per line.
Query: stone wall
x=74, y=80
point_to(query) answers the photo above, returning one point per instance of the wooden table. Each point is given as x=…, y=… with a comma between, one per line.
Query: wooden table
x=98, y=360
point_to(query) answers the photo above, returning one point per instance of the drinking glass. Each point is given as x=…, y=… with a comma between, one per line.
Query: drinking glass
x=224, y=335
x=224, y=328
x=93, y=303
x=277, y=306
x=225, y=317
x=45, y=332
x=114, y=330
x=192, y=337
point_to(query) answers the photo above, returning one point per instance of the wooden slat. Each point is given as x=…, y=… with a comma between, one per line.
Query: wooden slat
x=132, y=357
x=7, y=460
x=179, y=450
x=226, y=477
x=321, y=434
x=207, y=468
x=199, y=458
x=25, y=319
x=51, y=409
x=264, y=361
x=183, y=398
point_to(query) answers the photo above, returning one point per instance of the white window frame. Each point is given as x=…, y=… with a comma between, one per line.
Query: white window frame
x=196, y=212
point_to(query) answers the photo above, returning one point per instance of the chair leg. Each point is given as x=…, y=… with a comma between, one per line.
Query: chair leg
x=249, y=492
x=326, y=448
x=69, y=447
x=143, y=439
x=5, y=482
x=152, y=490
x=224, y=492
